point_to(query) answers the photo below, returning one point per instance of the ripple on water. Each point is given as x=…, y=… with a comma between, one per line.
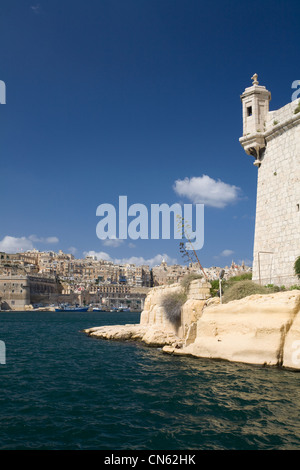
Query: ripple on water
x=63, y=390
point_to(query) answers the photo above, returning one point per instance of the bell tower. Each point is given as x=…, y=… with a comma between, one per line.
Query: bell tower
x=255, y=101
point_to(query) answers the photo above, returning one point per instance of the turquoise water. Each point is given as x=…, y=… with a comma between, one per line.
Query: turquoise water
x=61, y=389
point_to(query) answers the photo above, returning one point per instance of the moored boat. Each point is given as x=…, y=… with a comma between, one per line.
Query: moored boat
x=71, y=309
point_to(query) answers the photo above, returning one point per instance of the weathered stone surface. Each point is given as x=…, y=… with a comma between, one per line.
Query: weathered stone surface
x=28, y=307
x=118, y=332
x=172, y=350
x=159, y=338
x=190, y=313
x=257, y=329
x=151, y=336
x=213, y=301
x=153, y=313
x=291, y=347
x=199, y=290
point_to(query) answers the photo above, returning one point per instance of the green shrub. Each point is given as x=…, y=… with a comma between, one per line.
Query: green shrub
x=295, y=287
x=273, y=288
x=297, y=267
x=225, y=284
x=297, y=109
x=214, y=287
x=241, y=289
x=241, y=277
x=187, y=279
x=172, y=303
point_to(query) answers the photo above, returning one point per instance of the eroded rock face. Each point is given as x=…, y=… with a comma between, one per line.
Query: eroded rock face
x=151, y=336
x=154, y=328
x=190, y=313
x=259, y=329
x=154, y=313
x=118, y=332
x=291, y=347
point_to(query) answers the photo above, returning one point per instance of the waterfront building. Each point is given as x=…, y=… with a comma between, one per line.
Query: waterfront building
x=58, y=277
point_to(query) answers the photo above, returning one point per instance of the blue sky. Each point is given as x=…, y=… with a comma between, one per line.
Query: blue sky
x=127, y=97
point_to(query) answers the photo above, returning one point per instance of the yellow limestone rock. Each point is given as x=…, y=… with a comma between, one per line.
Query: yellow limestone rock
x=259, y=329
x=291, y=346
x=190, y=314
x=152, y=336
x=153, y=313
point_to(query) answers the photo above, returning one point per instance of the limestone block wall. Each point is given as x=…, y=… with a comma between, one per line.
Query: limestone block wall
x=277, y=226
x=277, y=117
x=199, y=290
x=14, y=292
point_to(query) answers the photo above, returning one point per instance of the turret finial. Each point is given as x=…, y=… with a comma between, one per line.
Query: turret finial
x=254, y=78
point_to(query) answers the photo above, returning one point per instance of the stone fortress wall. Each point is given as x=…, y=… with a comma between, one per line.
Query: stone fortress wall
x=273, y=139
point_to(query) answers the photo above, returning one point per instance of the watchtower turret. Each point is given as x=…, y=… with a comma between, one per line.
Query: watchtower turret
x=255, y=101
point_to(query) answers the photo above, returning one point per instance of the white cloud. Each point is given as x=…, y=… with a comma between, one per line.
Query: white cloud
x=15, y=244
x=248, y=262
x=98, y=254
x=206, y=190
x=36, y=8
x=51, y=240
x=36, y=239
x=113, y=242
x=72, y=250
x=137, y=260
x=226, y=253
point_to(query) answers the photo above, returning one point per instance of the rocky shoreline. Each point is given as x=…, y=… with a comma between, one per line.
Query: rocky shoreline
x=151, y=336
x=259, y=329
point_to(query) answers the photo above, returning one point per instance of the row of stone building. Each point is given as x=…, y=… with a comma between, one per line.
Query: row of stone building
x=66, y=266
x=19, y=291
x=45, y=278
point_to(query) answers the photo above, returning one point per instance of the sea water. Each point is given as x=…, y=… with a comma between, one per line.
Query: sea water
x=60, y=389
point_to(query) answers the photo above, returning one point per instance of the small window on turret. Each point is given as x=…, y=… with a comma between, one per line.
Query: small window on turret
x=249, y=111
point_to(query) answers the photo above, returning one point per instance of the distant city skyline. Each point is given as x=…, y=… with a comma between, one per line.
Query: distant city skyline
x=138, y=261
x=139, y=99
